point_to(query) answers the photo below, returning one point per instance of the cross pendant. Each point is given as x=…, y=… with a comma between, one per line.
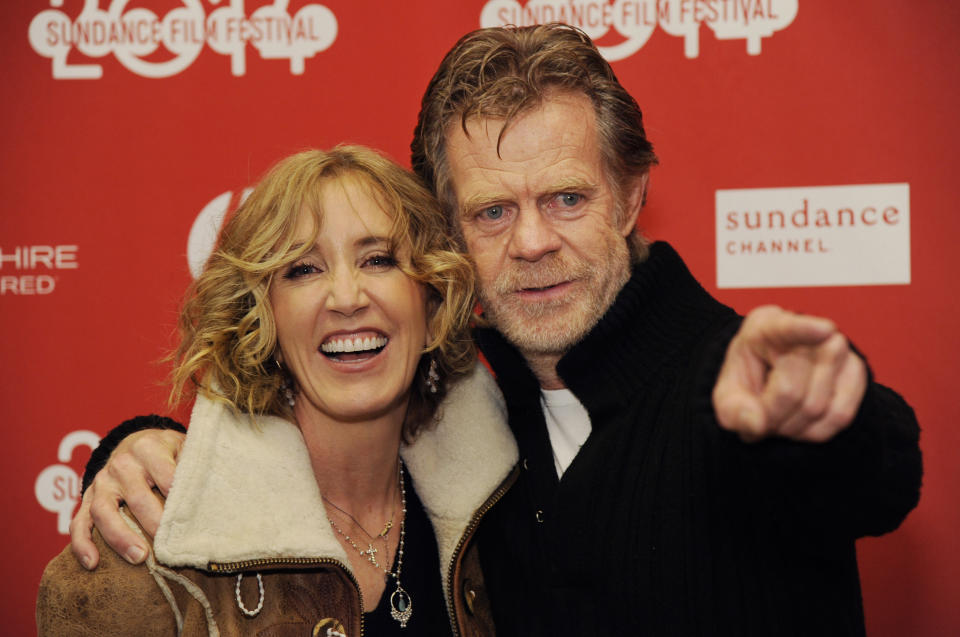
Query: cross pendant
x=371, y=554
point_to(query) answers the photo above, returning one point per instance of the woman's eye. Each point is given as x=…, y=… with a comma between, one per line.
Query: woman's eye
x=298, y=270
x=382, y=261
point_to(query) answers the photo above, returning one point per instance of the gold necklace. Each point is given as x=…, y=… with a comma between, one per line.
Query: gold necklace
x=401, y=604
x=382, y=534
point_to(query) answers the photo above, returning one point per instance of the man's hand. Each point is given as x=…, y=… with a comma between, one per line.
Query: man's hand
x=141, y=461
x=788, y=375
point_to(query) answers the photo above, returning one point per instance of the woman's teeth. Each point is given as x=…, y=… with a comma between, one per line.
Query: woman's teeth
x=350, y=345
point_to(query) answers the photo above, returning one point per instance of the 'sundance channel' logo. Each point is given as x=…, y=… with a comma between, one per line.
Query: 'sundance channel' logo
x=136, y=34
x=636, y=20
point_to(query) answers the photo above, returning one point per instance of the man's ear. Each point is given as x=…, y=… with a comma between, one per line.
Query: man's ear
x=636, y=197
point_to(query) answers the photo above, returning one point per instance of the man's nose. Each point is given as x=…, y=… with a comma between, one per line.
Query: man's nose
x=532, y=236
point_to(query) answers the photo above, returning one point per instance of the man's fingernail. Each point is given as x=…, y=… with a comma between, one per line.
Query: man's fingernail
x=87, y=562
x=135, y=555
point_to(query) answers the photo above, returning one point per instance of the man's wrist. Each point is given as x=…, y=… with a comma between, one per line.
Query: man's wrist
x=100, y=455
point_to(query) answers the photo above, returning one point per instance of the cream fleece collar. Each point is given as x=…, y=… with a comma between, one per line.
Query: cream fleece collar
x=242, y=493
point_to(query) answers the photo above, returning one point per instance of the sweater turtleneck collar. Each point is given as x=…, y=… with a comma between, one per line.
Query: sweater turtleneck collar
x=656, y=314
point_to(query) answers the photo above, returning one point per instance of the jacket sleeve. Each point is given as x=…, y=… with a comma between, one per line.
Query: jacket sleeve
x=883, y=444
x=100, y=455
x=864, y=481
x=115, y=599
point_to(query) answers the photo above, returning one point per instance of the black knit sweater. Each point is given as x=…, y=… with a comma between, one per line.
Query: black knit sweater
x=666, y=525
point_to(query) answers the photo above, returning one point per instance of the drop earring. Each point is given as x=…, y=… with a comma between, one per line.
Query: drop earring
x=286, y=383
x=433, y=378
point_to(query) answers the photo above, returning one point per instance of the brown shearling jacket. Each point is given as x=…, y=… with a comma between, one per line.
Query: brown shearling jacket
x=208, y=535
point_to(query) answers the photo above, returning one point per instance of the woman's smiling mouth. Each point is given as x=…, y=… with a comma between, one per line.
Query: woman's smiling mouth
x=356, y=347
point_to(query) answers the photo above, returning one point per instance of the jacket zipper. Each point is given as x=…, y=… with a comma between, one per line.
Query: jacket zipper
x=246, y=565
x=468, y=533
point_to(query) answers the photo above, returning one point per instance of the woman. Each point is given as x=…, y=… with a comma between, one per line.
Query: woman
x=319, y=340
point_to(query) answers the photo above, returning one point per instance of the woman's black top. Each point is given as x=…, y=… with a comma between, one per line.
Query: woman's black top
x=420, y=577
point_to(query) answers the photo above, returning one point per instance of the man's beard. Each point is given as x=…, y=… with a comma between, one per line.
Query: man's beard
x=553, y=327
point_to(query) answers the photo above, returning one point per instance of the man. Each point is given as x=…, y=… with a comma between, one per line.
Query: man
x=684, y=472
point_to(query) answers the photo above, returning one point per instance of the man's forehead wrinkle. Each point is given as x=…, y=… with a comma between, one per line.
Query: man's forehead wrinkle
x=555, y=164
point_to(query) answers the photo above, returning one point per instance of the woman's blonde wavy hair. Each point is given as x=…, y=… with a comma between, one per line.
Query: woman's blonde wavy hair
x=228, y=337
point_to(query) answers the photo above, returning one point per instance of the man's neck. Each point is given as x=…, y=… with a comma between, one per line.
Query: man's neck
x=544, y=367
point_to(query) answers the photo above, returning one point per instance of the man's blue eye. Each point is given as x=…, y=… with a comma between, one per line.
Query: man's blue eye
x=493, y=212
x=570, y=198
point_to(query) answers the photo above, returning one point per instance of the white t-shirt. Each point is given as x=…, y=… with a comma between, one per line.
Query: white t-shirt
x=568, y=424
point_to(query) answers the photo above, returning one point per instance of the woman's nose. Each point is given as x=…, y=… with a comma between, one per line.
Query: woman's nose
x=347, y=294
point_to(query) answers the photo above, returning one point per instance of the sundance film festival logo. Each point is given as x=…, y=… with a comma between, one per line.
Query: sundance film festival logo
x=814, y=236
x=136, y=34
x=636, y=20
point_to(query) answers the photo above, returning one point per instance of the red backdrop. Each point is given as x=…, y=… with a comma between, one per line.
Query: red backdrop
x=104, y=177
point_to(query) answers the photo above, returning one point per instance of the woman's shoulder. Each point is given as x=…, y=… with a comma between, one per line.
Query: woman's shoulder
x=116, y=598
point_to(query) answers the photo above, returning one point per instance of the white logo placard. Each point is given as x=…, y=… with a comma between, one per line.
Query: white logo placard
x=813, y=236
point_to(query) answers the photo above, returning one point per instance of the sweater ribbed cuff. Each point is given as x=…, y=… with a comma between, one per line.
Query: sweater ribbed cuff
x=100, y=455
